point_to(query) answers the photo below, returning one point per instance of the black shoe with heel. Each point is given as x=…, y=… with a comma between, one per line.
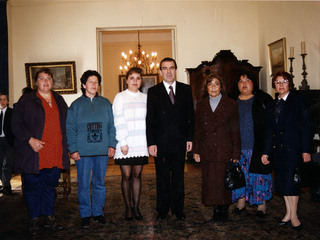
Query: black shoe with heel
x=282, y=223
x=137, y=214
x=128, y=216
x=237, y=211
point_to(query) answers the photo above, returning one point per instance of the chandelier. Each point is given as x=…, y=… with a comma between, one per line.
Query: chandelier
x=141, y=59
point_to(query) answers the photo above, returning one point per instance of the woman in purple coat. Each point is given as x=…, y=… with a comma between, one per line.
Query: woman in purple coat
x=216, y=143
x=39, y=126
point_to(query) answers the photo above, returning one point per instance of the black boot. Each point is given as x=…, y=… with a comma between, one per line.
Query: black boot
x=216, y=214
x=224, y=213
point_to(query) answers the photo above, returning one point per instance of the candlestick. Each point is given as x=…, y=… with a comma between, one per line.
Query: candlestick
x=291, y=68
x=291, y=52
x=303, y=47
x=304, y=82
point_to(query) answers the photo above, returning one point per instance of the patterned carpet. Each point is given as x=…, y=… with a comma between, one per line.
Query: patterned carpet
x=14, y=221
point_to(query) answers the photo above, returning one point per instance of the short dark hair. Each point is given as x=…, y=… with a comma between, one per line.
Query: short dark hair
x=86, y=75
x=44, y=70
x=26, y=90
x=4, y=94
x=208, y=79
x=286, y=76
x=7, y=96
x=168, y=59
x=134, y=70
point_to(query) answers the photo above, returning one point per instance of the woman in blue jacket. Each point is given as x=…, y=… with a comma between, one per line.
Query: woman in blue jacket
x=288, y=142
x=91, y=141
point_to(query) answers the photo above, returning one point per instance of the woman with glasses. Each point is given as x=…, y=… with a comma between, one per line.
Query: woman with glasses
x=288, y=142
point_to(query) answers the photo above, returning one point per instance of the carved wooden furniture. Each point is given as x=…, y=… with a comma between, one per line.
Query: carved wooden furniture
x=227, y=65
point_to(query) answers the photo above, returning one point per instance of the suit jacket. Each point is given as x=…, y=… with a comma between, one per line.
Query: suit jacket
x=7, y=126
x=293, y=131
x=169, y=126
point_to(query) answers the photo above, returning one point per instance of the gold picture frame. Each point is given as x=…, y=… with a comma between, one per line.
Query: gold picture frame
x=147, y=82
x=277, y=56
x=64, y=75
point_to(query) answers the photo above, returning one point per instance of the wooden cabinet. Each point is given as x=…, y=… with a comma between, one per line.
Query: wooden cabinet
x=227, y=65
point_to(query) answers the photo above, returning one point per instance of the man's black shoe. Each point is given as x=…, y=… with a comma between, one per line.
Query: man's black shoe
x=161, y=216
x=180, y=216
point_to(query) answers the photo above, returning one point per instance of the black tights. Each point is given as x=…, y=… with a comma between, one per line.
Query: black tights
x=131, y=178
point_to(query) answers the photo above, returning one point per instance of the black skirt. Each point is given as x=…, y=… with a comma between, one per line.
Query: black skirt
x=131, y=161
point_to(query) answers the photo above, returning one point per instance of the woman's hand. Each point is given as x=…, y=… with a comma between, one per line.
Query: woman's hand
x=36, y=144
x=111, y=152
x=125, y=149
x=189, y=146
x=264, y=159
x=306, y=157
x=235, y=160
x=196, y=157
x=75, y=156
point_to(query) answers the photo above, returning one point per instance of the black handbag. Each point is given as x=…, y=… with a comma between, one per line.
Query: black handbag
x=234, y=177
x=303, y=175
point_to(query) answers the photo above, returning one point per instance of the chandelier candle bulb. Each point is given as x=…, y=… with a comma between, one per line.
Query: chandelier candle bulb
x=139, y=58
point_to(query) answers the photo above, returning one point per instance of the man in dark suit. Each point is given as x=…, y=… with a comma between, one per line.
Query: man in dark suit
x=6, y=145
x=170, y=126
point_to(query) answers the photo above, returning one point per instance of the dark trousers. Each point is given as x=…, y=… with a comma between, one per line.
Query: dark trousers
x=39, y=191
x=6, y=162
x=170, y=182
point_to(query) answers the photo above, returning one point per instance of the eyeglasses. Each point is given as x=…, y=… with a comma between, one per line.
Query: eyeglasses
x=285, y=81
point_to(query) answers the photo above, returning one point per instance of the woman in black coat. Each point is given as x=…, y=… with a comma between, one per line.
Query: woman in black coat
x=252, y=105
x=288, y=142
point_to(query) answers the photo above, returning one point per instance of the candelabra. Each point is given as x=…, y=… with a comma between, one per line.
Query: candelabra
x=304, y=82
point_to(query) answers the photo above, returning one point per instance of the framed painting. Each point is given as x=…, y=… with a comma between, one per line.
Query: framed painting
x=64, y=75
x=147, y=82
x=277, y=56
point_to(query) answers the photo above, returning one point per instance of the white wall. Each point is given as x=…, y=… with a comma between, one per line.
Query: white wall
x=42, y=31
x=297, y=21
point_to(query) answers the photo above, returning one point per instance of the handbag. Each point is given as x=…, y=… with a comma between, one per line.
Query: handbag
x=303, y=175
x=234, y=177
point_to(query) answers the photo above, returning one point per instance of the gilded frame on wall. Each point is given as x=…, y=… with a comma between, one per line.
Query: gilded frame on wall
x=147, y=82
x=64, y=75
x=277, y=54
